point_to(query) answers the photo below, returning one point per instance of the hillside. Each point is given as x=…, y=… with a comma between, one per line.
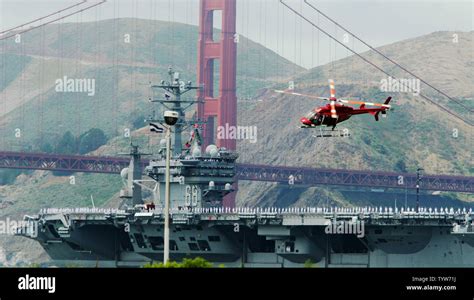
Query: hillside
x=414, y=134
x=122, y=70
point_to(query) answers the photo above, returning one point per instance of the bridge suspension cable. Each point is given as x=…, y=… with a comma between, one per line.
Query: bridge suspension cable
x=43, y=17
x=51, y=21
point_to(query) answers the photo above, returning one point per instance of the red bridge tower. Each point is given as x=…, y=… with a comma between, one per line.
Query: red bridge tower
x=222, y=106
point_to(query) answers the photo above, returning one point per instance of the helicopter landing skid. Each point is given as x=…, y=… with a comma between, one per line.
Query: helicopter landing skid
x=321, y=133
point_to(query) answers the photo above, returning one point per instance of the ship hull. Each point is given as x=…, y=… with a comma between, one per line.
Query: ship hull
x=240, y=243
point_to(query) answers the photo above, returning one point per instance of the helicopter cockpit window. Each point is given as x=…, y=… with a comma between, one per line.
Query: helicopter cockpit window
x=310, y=115
x=317, y=119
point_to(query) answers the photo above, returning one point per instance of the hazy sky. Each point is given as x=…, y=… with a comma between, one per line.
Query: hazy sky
x=270, y=23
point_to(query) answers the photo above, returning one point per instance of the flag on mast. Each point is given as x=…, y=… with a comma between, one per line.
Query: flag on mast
x=155, y=127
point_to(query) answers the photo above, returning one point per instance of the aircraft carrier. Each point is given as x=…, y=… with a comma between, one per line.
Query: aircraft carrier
x=201, y=226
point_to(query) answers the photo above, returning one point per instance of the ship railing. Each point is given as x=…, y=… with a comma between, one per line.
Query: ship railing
x=81, y=210
x=272, y=212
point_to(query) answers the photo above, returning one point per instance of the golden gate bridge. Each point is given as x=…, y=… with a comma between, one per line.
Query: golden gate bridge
x=253, y=172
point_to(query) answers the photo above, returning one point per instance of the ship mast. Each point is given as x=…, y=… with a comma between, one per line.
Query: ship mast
x=174, y=89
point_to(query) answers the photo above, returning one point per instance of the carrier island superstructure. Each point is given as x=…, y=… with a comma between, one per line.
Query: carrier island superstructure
x=132, y=235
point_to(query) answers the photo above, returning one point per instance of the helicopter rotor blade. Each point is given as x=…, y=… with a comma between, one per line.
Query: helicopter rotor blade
x=333, y=109
x=332, y=91
x=332, y=88
x=301, y=95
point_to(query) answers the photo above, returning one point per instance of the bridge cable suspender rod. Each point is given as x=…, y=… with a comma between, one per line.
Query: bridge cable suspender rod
x=52, y=21
x=373, y=64
x=386, y=57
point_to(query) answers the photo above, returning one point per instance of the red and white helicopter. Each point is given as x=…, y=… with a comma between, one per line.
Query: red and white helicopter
x=336, y=112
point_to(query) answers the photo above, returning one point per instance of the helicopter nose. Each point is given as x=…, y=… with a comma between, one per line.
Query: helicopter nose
x=305, y=121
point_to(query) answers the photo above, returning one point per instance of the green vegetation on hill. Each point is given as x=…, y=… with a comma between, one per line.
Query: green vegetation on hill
x=91, y=140
x=8, y=176
x=11, y=66
x=69, y=144
x=87, y=142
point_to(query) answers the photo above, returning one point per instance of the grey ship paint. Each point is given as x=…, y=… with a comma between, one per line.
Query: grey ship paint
x=250, y=237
